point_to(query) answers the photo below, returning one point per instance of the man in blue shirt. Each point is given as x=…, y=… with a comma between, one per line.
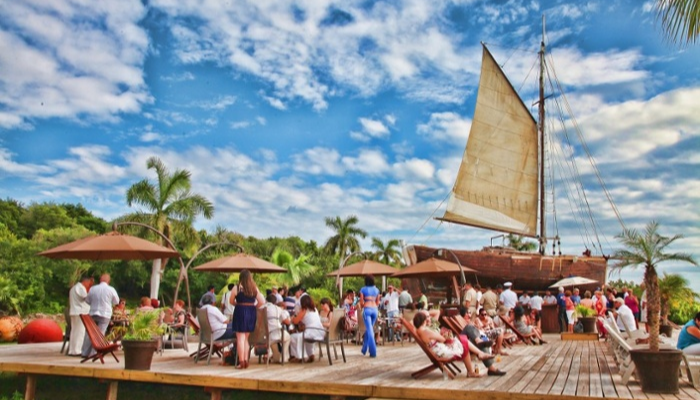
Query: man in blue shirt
x=561, y=302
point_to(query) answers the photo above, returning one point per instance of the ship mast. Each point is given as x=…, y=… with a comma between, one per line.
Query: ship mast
x=543, y=235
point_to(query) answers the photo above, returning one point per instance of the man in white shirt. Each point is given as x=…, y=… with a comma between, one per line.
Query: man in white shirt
x=524, y=299
x=508, y=298
x=78, y=305
x=470, y=301
x=536, y=302
x=549, y=298
x=405, y=298
x=221, y=328
x=391, y=302
x=298, y=294
x=101, y=298
x=624, y=316
x=277, y=317
x=226, y=306
x=278, y=296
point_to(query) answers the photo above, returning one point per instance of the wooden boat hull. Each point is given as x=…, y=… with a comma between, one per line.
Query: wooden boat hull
x=527, y=271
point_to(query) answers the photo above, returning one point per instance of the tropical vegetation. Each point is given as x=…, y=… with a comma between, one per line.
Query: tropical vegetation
x=680, y=20
x=648, y=249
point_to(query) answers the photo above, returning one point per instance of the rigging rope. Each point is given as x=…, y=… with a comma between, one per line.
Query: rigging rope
x=428, y=220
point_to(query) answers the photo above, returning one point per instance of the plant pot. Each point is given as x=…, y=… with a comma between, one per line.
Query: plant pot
x=138, y=354
x=657, y=371
x=589, y=324
x=666, y=330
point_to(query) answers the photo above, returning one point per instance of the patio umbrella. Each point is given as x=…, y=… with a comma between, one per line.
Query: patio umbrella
x=110, y=246
x=239, y=262
x=365, y=267
x=573, y=281
x=432, y=267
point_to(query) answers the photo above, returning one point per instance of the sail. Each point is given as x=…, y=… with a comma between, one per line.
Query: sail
x=497, y=183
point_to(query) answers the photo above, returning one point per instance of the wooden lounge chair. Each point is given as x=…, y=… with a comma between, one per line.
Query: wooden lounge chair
x=692, y=368
x=211, y=346
x=101, y=345
x=526, y=339
x=408, y=316
x=445, y=365
x=333, y=336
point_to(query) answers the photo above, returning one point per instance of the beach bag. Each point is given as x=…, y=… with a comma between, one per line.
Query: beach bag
x=578, y=328
x=260, y=349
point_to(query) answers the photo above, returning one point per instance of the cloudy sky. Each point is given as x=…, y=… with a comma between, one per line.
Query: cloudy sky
x=287, y=112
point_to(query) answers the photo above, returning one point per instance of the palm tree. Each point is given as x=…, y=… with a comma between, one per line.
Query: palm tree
x=346, y=234
x=673, y=290
x=680, y=20
x=648, y=249
x=297, y=268
x=168, y=206
x=519, y=243
x=388, y=253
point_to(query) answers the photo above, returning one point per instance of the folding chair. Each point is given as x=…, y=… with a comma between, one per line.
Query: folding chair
x=445, y=365
x=98, y=340
x=332, y=336
x=206, y=338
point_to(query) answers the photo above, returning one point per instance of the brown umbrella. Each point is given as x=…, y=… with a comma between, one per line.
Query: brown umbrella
x=433, y=267
x=239, y=262
x=365, y=267
x=110, y=246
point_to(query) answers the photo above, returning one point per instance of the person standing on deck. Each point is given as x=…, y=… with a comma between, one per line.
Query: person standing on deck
x=508, y=298
x=536, y=306
x=561, y=302
x=470, y=302
x=369, y=296
x=226, y=307
x=101, y=298
x=489, y=301
x=404, y=298
x=77, y=306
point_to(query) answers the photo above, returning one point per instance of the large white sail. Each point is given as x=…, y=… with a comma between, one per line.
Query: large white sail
x=497, y=184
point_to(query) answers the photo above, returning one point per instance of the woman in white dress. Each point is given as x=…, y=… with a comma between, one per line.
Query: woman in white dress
x=313, y=329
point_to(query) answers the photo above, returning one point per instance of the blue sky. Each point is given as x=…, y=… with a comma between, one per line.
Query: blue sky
x=287, y=112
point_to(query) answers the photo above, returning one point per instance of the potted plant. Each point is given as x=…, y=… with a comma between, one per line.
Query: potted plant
x=588, y=318
x=657, y=370
x=140, y=336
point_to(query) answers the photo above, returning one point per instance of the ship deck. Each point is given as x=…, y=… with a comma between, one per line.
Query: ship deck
x=561, y=370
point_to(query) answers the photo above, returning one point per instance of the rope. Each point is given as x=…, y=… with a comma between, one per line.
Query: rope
x=428, y=219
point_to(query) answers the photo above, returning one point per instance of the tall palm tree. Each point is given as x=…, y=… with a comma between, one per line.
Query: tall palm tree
x=680, y=20
x=519, y=243
x=673, y=290
x=648, y=249
x=169, y=206
x=388, y=253
x=297, y=268
x=346, y=235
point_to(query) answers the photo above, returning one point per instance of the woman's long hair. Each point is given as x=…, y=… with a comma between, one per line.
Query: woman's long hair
x=247, y=283
x=307, y=303
x=326, y=300
x=419, y=319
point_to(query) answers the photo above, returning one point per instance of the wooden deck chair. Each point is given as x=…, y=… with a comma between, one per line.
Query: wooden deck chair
x=446, y=366
x=211, y=346
x=333, y=336
x=101, y=345
x=526, y=339
x=692, y=368
x=624, y=359
x=408, y=316
x=452, y=324
x=66, y=334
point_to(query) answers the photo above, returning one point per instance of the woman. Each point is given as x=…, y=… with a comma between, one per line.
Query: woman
x=587, y=300
x=244, y=298
x=689, y=338
x=145, y=305
x=313, y=329
x=570, y=310
x=632, y=302
x=520, y=325
x=179, y=316
x=453, y=349
x=350, y=311
x=326, y=312
x=368, y=301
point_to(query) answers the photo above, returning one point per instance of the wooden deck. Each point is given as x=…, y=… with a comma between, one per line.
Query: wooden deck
x=558, y=370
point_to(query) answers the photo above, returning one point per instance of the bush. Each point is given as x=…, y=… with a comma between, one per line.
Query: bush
x=583, y=311
x=318, y=293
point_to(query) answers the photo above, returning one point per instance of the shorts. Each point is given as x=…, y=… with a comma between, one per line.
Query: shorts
x=570, y=316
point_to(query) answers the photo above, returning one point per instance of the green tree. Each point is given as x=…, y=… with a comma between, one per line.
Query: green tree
x=680, y=20
x=83, y=217
x=45, y=216
x=169, y=206
x=297, y=268
x=674, y=290
x=346, y=235
x=648, y=249
x=388, y=253
x=519, y=243
x=10, y=215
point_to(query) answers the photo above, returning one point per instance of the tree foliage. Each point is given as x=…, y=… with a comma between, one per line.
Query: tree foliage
x=680, y=20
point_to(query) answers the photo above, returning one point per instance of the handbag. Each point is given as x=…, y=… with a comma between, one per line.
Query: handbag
x=260, y=349
x=301, y=327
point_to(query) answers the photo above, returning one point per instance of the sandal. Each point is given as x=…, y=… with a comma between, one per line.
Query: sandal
x=485, y=356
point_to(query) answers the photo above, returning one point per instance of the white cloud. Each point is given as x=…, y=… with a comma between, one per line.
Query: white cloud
x=261, y=120
x=219, y=104
x=13, y=168
x=185, y=76
x=317, y=161
x=368, y=162
x=240, y=124
x=151, y=137
x=414, y=169
x=446, y=127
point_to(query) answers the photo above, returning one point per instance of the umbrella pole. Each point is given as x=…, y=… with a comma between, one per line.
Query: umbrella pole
x=384, y=283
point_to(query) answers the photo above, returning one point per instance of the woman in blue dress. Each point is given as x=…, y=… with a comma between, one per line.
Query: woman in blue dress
x=246, y=298
x=689, y=338
x=368, y=301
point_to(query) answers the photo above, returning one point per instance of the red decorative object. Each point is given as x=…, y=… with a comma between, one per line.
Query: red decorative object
x=10, y=328
x=41, y=330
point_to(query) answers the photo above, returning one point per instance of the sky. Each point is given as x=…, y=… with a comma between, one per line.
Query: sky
x=286, y=112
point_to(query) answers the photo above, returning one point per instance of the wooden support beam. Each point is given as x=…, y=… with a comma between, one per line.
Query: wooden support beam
x=215, y=392
x=112, y=389
x=30, y=389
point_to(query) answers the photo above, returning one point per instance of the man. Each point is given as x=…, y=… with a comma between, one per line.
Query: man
x=422, y=299
x=226, y=306
x=624, y=316
x=298, y=294
x=391, y=302
x=474, y=335
x=549, y=298
x=576, y=297
x=404, y=298
x=524, y=300
x=211, y=294
x=486, y=325
x=536, y=302
x=470, y=301
x=77, y=305
x=101, y=299
x=221, y=328
x=563, y=319
x=277, y=318
x=278, y=296
x=489, y=301
x=508, y=298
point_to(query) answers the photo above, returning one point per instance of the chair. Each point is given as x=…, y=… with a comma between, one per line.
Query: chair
x=172, y=335
x=692, y=368
x=205, y=338
x=333, y=336
x=526, y=339
x=621, y=349
x=98, y=340
x=408, y=315
x=445, y=365
x=66, y=334
x=261, y=335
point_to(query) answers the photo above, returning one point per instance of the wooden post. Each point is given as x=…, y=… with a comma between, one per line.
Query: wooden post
x=215, y=392
x=112, y=388
x=30, y=389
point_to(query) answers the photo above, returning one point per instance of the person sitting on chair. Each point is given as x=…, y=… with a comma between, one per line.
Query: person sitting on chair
x=522, y=327
x=480, y=340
